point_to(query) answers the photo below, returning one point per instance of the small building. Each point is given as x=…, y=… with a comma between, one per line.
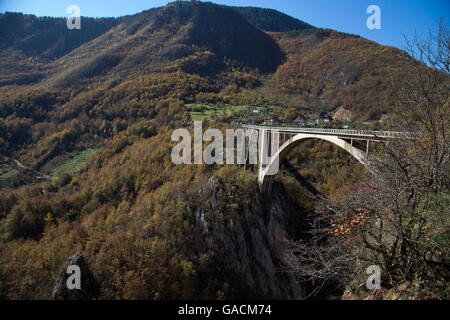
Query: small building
x=320, y=121
x=311, y=123
x=271, y=122
x=323, y=121
x=298, y=123
x=255, y=111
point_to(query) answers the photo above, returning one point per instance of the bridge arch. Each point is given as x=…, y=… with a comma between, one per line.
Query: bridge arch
x=266, y=179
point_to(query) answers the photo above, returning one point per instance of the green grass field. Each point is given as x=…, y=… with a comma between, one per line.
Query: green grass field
x=200, y=112
x=74, y=164
x=7, y=171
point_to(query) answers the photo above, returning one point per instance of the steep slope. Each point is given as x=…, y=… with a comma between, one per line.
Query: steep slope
x=188, y=51
x=290, y=63
x=47, y=38
x=28, y=43
x=150, y=229
x=271, y=20
x=191, y=52
x=325, y=70
x=195, y=37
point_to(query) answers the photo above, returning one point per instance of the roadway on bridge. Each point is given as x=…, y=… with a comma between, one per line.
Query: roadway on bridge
x=345, y=133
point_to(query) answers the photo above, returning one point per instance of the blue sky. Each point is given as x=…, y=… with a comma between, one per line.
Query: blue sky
x=398, y=17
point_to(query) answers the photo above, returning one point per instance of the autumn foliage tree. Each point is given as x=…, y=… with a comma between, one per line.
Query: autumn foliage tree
x=397, y=219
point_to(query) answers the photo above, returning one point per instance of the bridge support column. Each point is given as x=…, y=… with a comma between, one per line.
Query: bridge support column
x=263, y=145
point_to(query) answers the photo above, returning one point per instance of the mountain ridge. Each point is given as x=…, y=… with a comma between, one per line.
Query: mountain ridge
x=290, y=62
x=97, y=121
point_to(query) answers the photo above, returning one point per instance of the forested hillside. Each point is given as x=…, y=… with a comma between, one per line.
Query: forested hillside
x=250, y=55
x=86, y=118
x=82, y=87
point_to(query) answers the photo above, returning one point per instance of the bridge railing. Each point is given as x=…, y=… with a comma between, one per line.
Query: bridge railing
x=348, y=132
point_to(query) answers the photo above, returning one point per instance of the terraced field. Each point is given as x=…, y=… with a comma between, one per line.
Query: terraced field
x=74, y=164
x=7, y=171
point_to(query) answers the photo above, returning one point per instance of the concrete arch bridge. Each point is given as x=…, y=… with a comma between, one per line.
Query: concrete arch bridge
x=275, y=143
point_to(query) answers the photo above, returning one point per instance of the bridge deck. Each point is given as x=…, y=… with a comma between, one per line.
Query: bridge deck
x=344, y=133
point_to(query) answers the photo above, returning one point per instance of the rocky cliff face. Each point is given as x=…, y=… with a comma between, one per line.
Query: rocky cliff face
x=247, y=243
x=89, y=288
x=251, y=243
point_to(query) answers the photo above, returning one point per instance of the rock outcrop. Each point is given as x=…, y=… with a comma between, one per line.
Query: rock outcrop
x=343, y=113
x=89, y=288
x=251, y=243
